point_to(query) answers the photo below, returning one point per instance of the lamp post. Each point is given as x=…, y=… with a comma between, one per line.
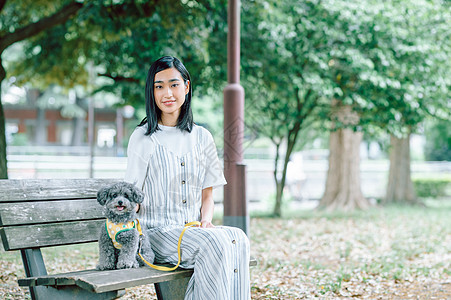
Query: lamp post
x=235, y=203
x=91, y=123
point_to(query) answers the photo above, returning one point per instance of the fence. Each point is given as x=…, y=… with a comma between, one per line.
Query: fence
x=260, y=173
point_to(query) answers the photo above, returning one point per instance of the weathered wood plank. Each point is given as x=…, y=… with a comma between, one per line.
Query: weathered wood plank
x=36, y=212
x=55, y=279
x=103, y=281
x=120, y=279
x=55, y=234
x=45, y=281
x=48, y=189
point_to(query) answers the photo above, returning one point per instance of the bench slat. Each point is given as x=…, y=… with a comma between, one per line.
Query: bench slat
x=120, y=279
x=58, y=279
x=45, y=235
x=104, y=281
x=23, y=213
x=100, y=281
x=48, y=189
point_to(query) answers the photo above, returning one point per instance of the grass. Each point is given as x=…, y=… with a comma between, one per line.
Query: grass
x=393, y=252
x=396, y=252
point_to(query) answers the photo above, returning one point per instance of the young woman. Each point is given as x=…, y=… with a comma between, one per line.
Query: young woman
x=175, y=163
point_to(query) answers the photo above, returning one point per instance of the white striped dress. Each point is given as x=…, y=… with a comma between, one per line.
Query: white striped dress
x=173, y=184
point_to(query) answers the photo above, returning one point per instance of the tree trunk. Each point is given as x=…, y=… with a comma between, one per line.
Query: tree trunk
x=400, y=187
x=343, y=190
x=343, y=178
x=280, y=184
x=3, y=161
x=277, y=212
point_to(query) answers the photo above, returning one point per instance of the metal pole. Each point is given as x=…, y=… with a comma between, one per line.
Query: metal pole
x=119, y=132
x=91, y=135
x=91, y=122
x=235, y=202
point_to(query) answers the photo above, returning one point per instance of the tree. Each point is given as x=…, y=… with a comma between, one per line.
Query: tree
x=16, y=27
x=281, y=104
x=314, y=51
x=353, y=43
x=401, y=77
x=409, y=81
x=425, y=54
x=120, y=40
x=358, y=54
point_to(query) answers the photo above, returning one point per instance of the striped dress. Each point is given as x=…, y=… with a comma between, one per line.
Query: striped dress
x=173, y=184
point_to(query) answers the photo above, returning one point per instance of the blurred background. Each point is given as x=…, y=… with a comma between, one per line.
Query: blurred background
x=344, y=99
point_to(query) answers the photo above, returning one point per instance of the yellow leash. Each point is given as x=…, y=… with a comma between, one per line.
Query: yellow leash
x=162, y=268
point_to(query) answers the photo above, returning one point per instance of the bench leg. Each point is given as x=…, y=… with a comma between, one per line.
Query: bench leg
x=34, y=266
x=172, y=290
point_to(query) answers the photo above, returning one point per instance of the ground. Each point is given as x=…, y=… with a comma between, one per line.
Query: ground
x=394, y=252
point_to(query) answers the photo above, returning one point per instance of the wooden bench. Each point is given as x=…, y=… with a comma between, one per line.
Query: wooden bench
x=48, y=213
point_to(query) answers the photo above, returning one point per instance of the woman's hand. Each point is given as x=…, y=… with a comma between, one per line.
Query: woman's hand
x=206, y=224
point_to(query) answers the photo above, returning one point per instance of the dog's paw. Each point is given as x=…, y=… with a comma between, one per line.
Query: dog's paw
x=127, y=264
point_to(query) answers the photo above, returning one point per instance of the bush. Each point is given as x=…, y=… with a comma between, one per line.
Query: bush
x=438, y=140
x=432, y=187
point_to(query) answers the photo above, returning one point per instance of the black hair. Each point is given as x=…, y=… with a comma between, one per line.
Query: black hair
x=153, y=113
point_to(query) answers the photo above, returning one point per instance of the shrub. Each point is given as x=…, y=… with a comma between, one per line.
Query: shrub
x=438, y=141
x=432, y=187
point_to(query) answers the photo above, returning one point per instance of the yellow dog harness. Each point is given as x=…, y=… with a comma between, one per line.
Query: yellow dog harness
x=114, y=229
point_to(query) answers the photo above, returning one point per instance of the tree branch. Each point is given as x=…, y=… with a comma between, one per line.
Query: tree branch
x=2, y=4
x=120, y=78
x=119, y=11
x=60, y=17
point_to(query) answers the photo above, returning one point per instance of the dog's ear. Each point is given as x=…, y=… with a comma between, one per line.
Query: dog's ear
x=137, y=195
x=102, y=195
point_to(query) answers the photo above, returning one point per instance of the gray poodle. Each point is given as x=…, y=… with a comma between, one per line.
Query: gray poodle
x=119, y=238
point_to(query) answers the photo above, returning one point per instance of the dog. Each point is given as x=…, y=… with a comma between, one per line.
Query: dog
x=121, y=236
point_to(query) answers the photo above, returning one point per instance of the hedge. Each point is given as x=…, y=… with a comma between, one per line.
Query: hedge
x=432, y=187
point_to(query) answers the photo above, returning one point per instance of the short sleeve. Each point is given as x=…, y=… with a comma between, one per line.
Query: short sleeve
x=139, y=150
x=214, y=176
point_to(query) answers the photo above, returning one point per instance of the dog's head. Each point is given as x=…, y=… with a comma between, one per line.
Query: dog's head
x=120, y=200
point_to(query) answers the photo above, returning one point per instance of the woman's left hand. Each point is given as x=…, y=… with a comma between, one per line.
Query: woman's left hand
x=206, y=224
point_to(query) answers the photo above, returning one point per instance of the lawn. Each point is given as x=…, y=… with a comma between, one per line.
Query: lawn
x=396, y=252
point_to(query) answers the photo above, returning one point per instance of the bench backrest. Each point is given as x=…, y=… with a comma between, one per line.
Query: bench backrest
x=50, y=212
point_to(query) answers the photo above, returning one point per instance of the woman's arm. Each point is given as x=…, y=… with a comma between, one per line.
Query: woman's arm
x=206, y=211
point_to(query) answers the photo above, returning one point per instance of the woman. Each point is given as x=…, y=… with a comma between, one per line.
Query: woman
x=176, y=165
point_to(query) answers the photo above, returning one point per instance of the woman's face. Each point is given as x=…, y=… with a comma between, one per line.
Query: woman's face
x=169, y=91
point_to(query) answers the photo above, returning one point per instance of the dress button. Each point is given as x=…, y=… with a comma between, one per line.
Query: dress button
x=184, y=200
x=183, y=182
x=236, y=270
x=233, y=242
x=183, y=163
